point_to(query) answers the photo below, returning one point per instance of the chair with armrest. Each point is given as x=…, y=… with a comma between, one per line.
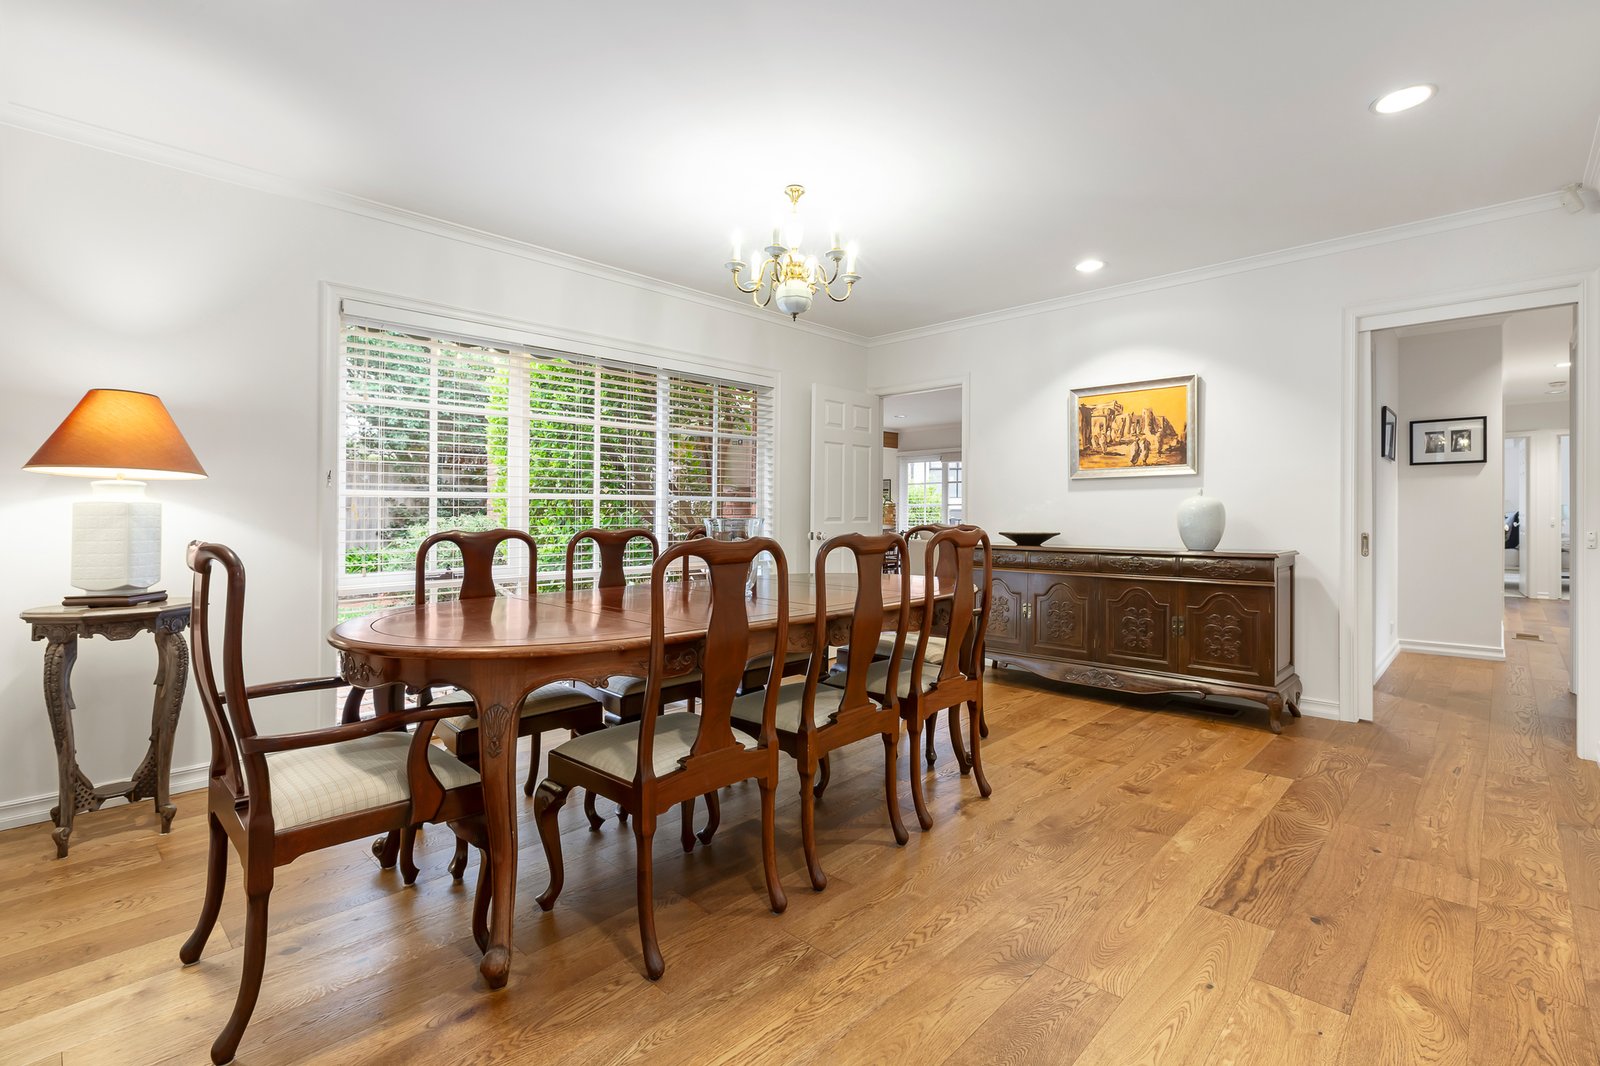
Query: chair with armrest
x=657, y=762
x=928, y=687
x=279, y=796
x=849, y=712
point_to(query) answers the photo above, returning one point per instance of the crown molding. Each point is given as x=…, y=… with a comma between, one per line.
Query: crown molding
x=1405, y=231
x=34, y=120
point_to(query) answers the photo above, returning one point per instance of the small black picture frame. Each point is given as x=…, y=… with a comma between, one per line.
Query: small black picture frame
x=1388, y=430
x=1450, y=441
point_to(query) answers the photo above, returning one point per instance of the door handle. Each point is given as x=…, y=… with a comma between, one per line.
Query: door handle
x=1366, y=545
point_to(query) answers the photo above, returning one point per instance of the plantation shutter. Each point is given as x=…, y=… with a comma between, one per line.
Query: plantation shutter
x=441, y=431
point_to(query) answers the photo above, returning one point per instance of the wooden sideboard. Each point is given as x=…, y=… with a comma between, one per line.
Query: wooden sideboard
x=1156, y=621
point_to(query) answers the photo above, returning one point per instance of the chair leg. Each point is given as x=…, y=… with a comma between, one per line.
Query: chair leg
x=975, y=712
x=216, y=881
x=408, y=856
x=928, y=744
x=595, y=820
x=713, y=817
x=924, y=819
x=983, y=725
x=458, y=861
x=481, y=898
x=769, y=847
x=963, y=760
x=255, y=959
x=546, y=812
x=808, y=829
x=644, y=831
x=686, y=809
x=387, y=850
x=824, y=774
x=891, y=774
x=533, y=765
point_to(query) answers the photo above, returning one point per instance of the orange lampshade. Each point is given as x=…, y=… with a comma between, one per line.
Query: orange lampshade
x=112, y=433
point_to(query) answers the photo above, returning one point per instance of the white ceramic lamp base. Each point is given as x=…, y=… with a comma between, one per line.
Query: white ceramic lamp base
x=116, y=546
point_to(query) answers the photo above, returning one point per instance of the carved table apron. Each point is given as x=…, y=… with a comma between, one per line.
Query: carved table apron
x=60, y=628
x=499, y=650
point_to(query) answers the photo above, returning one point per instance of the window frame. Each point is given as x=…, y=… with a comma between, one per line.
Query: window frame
x=903, y=482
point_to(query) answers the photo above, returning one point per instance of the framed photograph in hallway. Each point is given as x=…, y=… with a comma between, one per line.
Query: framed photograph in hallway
x=1449, y=440
x=1140, y=429
x=1388, y=429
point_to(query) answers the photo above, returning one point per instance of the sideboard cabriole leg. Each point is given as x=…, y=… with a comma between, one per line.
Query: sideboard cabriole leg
x=59, y=658
x=1275, y=714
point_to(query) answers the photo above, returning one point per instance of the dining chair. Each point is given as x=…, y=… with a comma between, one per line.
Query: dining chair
x=850, y=712
x=658, y=762
x=277, y=796
x=559, y=705
x=927, y=688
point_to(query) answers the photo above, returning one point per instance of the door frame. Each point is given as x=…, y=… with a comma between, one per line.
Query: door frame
x=1355, y=572
x=962, y=382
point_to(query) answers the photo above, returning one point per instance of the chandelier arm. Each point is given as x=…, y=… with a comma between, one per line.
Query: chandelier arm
x=754, y=288
x=754, y=291
x=839, y=299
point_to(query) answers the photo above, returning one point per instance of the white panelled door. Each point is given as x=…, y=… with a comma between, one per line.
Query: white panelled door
x=846, y=467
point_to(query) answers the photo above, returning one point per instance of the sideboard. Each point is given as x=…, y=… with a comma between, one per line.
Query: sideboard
x=1149, y=621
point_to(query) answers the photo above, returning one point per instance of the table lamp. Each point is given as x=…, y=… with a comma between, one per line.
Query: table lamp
x=122, y=439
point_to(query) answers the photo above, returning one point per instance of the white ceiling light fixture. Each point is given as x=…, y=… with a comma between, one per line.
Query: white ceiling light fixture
x=1404, y=99
x=789, y=276
x=1563, y=366
x=1089, y=266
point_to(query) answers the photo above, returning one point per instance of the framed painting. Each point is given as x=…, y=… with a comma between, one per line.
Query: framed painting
x=1389, y=429
x=1440, y=441
x=1140, y=429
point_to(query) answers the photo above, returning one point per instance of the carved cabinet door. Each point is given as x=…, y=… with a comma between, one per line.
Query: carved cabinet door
x=1227, y=634
x=1007, y=597
x=1060, y=621
x=1138, y=629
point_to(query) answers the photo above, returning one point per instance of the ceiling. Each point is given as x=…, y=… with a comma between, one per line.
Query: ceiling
x=918, y=410
x=1533, y=342
x=976, y=152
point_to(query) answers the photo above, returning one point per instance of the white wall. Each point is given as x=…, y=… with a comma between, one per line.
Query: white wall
x=1386, y=503
x=121, y=273
x=1452, y=596
x=1267, y=343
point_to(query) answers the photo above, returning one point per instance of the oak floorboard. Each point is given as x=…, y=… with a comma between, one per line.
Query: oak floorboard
x=1271, y=1027
x=1048, y=1020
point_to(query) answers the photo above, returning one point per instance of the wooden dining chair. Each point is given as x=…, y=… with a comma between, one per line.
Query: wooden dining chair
x=658, y=762
x=559, y=705
x=278, y=796
x=927, y=688
x=849, y=713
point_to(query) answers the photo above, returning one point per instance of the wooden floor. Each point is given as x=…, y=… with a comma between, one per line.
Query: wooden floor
x=1146, y=885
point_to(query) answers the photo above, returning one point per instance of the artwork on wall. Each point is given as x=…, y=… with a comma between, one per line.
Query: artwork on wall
x=1389, y=429
x=1449, y=440
x=1140, y=429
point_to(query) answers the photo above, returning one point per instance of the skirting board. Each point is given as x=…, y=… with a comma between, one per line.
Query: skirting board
x=32, y=810
x=1459, y=651
x=1385, y=661
x=1317, y=709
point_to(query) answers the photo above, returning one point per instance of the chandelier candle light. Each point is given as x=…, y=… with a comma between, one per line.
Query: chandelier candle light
x=789, y=277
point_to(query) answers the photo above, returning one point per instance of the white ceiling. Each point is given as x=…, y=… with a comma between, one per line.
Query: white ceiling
x=918, y=410
x=975, y=151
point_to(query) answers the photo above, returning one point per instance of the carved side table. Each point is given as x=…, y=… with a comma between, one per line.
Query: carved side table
x=61, y=627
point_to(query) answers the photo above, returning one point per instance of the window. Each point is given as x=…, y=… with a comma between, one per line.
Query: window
x=441, y=432
x=932, y=489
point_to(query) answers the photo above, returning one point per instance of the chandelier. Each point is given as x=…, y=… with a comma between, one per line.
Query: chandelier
x=789, y=277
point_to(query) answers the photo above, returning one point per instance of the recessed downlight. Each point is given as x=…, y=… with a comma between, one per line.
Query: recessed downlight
x=1089, y=266
x=1404, y=99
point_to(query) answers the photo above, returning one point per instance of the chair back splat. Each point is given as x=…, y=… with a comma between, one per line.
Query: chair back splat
x=727, y=643
x=477, y=560
x=227, y=709
x=949, y=569
x=866, y=624
x=611, y=545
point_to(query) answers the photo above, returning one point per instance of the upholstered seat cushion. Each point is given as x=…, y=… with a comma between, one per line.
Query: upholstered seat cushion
x=615, y=751
x=878, y=673
x=620, y=685
x=935, y=653
x=559, y=696
x=314, y=784
x=747, y=709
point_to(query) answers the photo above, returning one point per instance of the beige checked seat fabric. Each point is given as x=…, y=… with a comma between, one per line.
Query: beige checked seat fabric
x=615, y=751
x=558, y=696
x=317, y=783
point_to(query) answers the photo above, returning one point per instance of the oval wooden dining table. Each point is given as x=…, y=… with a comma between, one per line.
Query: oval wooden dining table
x=499, y=650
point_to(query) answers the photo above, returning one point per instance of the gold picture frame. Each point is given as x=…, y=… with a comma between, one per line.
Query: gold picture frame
x=1138, y=429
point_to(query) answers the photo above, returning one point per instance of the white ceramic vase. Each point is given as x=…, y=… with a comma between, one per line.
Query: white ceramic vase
x=1201, y=519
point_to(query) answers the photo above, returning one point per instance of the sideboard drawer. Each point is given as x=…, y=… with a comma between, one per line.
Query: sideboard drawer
x=1139, y=565
x=1228, y=569
x=1005, y=558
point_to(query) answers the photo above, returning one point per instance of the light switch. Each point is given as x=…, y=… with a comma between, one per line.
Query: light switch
x=1594, y=539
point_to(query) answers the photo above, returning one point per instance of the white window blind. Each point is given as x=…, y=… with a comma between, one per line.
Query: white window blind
x=440, y=432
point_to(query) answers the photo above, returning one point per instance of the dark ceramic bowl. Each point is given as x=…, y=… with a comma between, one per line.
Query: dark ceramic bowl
x=1028, y=540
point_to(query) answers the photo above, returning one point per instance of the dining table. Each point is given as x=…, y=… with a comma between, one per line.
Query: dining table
x=497, y=650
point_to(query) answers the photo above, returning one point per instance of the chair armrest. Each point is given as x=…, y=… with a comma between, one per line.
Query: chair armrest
x=285, y=688
x=384, y=723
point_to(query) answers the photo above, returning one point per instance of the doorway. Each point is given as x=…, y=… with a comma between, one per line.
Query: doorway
x=924, y=460
x=1514, y=506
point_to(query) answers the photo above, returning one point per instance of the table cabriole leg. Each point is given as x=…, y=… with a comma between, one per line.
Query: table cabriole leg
x=172, y=678
x=59, y=658
x=497, y=728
